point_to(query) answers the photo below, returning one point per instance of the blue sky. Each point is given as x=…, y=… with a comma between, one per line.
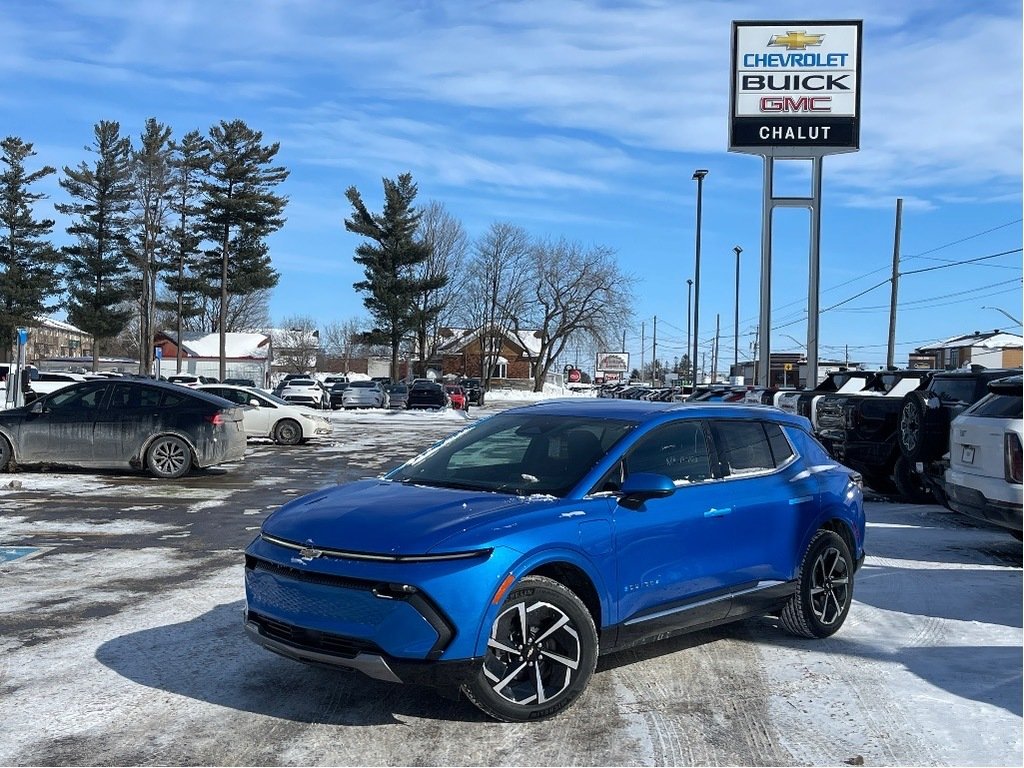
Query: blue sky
x=576, y=119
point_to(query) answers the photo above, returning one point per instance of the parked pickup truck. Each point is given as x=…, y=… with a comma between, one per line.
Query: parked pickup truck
x=885, y=438
x=802, y=402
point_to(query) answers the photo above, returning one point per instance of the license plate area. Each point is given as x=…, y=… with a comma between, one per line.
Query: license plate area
x=968, y=454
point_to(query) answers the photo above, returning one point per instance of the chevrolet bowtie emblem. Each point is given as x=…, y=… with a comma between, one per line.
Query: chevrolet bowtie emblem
x=309, y=553
x=795, y=41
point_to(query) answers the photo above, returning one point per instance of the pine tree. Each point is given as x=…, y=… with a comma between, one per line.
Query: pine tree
x=151, y=172
x=96, y=266
x=189, y=161
x=27, y=257
x=391, y=286
x=240, y=210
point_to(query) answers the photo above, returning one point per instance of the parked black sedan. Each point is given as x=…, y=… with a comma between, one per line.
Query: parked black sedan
x=165, y=428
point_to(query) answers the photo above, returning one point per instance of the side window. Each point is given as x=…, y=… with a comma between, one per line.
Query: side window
x=172, y=400
x=782, y=451
x=678, y=450
x=742, y=446
x=83, y=399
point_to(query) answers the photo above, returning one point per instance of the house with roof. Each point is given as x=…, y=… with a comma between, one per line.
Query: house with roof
x=992, y=349
x=501, y=355
x=248, y=355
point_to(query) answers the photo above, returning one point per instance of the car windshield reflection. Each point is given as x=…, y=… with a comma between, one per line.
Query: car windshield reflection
x=516, y=454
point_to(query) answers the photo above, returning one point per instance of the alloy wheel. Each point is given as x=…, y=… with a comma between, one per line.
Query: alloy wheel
x=910, y=427
x=830, y=585
x=533, y=653
x=169, y=457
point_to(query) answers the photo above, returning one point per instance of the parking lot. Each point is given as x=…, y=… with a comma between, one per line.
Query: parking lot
x=121, y=642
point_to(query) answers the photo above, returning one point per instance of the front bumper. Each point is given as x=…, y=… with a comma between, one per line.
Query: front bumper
x=373, y=664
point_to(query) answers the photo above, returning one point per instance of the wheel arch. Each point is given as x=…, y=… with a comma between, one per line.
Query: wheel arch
x=6, y=436
x=845, y=531
x=577, y=581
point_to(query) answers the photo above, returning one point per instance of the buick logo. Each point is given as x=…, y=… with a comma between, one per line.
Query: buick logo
x=309, y=553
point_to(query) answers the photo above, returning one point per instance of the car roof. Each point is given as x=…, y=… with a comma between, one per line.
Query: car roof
x=165, y=386
x=640, y=411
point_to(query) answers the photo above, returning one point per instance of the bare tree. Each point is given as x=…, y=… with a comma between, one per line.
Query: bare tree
x=245, y=312
x=575, y=294
x=446, y=238
x=297, y=343
x=341, y=339
x=496, y=281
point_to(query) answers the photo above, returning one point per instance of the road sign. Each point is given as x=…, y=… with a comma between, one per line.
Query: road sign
x=23, y=336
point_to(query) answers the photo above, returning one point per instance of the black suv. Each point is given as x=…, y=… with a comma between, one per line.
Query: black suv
x=886, y=438
x=474, y=391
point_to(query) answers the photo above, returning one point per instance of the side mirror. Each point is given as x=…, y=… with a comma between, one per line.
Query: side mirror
x=640, y=486
x=36, y=407
x=254, y=403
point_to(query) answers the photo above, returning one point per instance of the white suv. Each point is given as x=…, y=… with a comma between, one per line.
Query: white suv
x=306, y=392
x=985, y=452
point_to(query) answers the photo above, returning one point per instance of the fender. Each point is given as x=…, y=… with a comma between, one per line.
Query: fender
x=534, y=560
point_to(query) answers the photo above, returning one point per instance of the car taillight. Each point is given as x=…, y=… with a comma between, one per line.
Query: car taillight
x=1012, y=455
x=216, y=419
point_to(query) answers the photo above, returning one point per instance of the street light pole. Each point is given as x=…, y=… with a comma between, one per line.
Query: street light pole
x=689, y=316
x=698, y=176
x=736, y=327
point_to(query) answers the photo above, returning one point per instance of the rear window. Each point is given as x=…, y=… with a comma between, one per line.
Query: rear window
x=998, y=407
x=363, y=385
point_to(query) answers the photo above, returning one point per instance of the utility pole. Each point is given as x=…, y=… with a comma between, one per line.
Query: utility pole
x=642, y=351
x=714, y=355
x=689, y=317
x=623, y=340
x=891, y=353
x=654, y=353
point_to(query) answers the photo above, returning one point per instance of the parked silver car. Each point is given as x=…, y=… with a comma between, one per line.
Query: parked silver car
x=364, y=394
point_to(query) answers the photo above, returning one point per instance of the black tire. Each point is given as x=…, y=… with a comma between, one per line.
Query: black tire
x=824, y=591
x=5, y=454
x=287, y=432
x=909, y=484
x=923, y=428
x=555, y=661
x=169, y=457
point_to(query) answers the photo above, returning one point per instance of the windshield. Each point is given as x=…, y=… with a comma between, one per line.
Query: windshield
x=522, y=454
x=953, y=390
x=274, y=398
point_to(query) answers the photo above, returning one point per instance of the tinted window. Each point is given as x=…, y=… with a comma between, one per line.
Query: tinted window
x=172, y=400
x=679, y=451
x=128, y=396
x=782, y=451
x=742, y=446
x=953, y=390
x=77, y=399
x=998, y=407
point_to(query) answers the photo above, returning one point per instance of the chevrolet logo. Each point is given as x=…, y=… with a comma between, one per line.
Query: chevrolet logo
x=795, y=41
x=309, y=553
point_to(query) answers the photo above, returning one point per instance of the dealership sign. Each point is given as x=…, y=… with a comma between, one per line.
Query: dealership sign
x=612, y=362
x=795, y=88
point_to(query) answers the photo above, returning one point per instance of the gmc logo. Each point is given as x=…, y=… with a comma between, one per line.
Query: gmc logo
x=800, y=104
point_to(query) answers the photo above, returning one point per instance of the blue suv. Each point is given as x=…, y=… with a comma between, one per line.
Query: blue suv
x=503, y=560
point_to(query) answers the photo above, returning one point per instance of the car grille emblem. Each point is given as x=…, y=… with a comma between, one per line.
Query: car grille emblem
x=309, y=553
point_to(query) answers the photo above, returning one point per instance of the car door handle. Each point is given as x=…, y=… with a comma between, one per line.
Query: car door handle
x=713, y=512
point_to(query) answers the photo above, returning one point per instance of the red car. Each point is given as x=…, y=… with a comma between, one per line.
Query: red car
x=458, y=396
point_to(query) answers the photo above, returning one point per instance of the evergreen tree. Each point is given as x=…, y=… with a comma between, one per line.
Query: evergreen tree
x=151, y=170
x=240, y=210
x=189, y=161
x=27, y=258
x=96, y=266
x=390, y=262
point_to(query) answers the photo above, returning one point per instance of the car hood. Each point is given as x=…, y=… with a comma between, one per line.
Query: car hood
x=390, y=518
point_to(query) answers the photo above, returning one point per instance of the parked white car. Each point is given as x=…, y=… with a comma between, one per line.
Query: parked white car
x=306, y=392
x=984, y=479
x=365, y=394
x=190, y=380
x=267, y=415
